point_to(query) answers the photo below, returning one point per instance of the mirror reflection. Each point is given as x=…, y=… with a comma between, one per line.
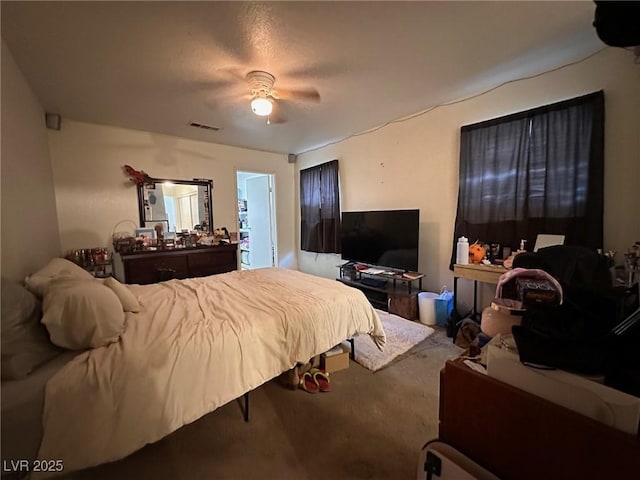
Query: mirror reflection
x=179, y=205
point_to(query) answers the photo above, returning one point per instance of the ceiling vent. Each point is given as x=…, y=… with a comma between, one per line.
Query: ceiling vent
x=203, y=126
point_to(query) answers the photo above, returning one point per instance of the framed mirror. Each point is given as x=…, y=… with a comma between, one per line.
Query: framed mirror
x=178, y=205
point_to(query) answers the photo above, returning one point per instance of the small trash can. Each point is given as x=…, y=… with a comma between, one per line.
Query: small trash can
x=427, y=307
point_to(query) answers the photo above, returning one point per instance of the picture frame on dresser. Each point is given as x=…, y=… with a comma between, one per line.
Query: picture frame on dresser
x=147, y=232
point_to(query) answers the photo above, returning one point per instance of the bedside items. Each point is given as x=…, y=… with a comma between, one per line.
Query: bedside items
x=97, y=261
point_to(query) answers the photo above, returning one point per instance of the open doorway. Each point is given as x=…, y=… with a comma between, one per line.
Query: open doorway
x=256, y=220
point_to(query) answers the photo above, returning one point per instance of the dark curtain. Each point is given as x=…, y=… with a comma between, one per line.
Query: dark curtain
x=539, y=171
x=320, y=208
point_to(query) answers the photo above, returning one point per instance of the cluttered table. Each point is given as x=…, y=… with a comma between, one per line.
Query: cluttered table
x=478, y=273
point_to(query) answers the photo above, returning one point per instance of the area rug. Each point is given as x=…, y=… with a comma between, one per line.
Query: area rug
x=402, y=335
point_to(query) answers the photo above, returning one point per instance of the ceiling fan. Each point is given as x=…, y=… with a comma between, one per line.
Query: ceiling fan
x=263, y=95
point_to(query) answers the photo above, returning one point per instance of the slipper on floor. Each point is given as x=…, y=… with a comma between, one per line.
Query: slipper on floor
x=321, y=377
x=308, y=383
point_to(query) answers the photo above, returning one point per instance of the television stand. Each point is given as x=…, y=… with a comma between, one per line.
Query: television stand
x=373, y=282
x=391, y=293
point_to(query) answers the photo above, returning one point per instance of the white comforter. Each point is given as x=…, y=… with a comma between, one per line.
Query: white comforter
x=196, y=345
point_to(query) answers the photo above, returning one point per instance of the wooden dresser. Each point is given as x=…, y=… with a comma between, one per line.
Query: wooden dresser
x=517, y=435
x=155, y=266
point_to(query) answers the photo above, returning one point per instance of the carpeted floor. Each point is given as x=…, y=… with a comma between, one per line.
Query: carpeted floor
x=370, y=426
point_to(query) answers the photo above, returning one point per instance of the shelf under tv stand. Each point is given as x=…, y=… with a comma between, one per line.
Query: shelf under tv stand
x=398, y=296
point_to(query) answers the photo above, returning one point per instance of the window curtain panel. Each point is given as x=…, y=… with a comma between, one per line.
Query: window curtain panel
x=320, y=208
x=539, y=171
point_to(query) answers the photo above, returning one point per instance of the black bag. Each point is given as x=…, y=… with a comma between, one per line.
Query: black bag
x=572, y=335
x=578, y=269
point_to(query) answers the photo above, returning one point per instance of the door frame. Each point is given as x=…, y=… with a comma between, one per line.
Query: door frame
x=272, y=200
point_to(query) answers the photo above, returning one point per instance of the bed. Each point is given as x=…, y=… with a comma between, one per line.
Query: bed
x=195, y=345
x=22, y=402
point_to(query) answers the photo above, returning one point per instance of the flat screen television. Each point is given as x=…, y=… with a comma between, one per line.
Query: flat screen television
x=385, y=238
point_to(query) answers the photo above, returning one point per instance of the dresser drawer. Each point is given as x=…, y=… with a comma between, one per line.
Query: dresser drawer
x=152, y=269
x=155, y=266
x=206, y=263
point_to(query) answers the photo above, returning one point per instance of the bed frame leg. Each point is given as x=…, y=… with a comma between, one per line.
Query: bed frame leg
x=246, y=407
x=352, y=355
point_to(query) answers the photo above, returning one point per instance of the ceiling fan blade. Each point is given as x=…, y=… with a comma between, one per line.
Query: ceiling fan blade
x=209, y=85
x=279, y=113
x=307, y=94
x=223, y=77
x=317, y=70
x=233, y=72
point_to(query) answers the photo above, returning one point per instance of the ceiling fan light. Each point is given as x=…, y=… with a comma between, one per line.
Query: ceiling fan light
x=261, y=106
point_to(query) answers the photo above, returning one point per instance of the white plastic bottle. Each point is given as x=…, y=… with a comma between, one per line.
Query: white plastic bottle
x=462, y=251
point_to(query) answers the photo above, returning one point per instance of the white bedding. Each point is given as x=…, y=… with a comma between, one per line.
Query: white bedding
x=196, y=345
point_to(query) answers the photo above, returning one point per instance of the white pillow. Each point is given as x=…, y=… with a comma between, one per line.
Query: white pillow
x=127, y=298
x=25, y=343
x=56, y=268
x=80, y=314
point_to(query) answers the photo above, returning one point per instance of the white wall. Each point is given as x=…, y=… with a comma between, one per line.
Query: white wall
x=93, y=194
x=29, y=222
x=414, y=164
